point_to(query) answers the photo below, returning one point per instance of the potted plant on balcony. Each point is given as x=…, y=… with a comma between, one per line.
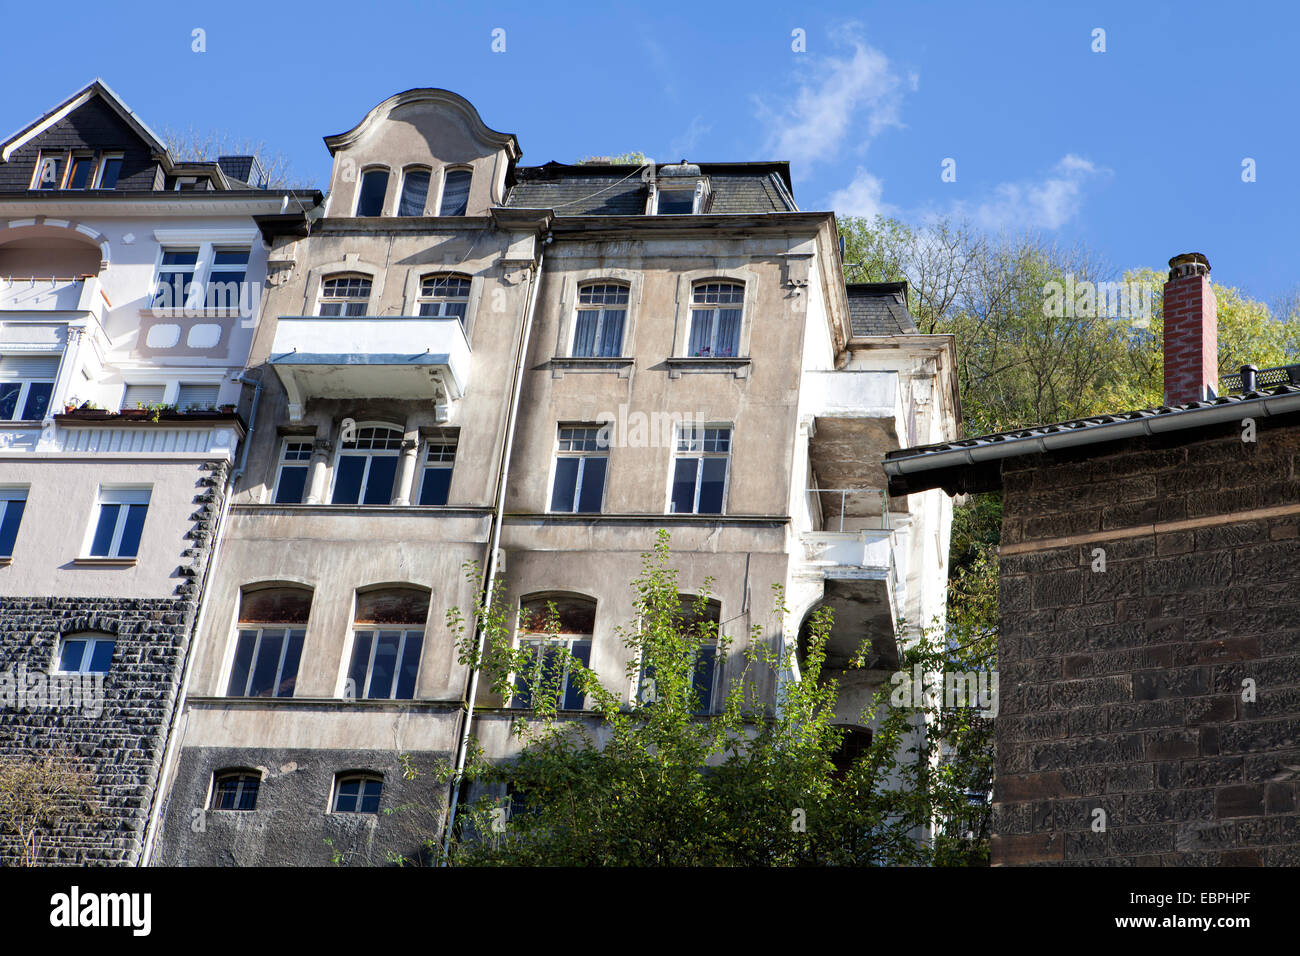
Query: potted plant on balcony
x=88, y=410
x=139, y=413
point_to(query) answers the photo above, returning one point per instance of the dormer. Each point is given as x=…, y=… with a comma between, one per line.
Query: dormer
x=425, y=152
x=679, y=189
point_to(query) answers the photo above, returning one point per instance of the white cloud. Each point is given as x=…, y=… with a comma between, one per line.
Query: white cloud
x=858, y=92
x=1046, y=203
x=861, y=197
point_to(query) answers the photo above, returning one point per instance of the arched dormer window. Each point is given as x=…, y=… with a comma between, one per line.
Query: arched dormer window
x=415, y=191
x=716, y=309
x=455, y=192
x=443, y=295
x=602, y=315
x=388, y=636
x=371, y=191
x=367, y=465
x=344, y=294
x=548, y=622
x=272, y=627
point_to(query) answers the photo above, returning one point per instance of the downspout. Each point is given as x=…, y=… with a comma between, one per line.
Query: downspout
x=494, y=546
x=173, y=737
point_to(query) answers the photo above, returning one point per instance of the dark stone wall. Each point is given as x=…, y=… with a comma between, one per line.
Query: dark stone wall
x=121, y=746
x=292, y=819
x=1122, y=689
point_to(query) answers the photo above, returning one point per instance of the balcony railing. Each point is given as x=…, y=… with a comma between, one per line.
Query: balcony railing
x=866, y=507
x=49, y=294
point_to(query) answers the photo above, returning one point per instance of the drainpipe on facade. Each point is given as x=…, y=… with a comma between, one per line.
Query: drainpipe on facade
x=173, y=735
x=494, y=545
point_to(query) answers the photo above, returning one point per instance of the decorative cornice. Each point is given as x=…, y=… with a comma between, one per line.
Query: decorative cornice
x=433, y=96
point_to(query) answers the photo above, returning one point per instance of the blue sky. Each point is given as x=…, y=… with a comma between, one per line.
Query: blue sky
x=1136, y=151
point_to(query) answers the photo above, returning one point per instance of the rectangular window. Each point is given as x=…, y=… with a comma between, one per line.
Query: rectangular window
x=700, y=470
x=13, y=501
x=119, y=522
x=191, y=398
x=367, y=466
x=226, y=281
x=175, y=283
x=80, y=168
x=49, y=170
x=384, y=663
x=141, y=396
x=602, y=311
x=581, y=457
x=85, y=655
x=547, y=664
x=435, y=483
x=291, y=478
x=26, y=384
x=676, y=202
x=455, y=192
x=266, y=662
x=110, y=169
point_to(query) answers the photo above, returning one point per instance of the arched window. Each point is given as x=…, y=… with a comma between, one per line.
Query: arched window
x=698, y=618
x=715, y=319
x=272, y=627
x=370, y=194
x=444, y=295
x=602, y=313
x=388, y=635
x=367, y=466
x=548, y=622
x=344, y=294
x=415, y=191
x=86, y=652
x=235, y=789
x=357, y=792
x=455, y=192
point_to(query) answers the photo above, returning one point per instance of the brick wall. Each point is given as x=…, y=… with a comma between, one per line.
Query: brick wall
x=1122, y=690
x=122, y=745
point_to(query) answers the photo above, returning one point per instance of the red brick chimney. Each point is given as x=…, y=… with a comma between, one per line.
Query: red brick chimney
x=1191, y=331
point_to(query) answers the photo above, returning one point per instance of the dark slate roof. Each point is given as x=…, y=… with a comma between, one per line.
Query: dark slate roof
x=932, y=466
x=879, y=308
x=618, y=190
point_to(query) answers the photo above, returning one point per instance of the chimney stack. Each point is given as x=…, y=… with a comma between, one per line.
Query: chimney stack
x=1191, y=331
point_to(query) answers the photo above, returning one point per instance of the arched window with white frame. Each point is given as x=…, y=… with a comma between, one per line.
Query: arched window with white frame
x=600, y=320
x=415, y=191
x=371, y=191
x=344, y=294
x=444, y=295
x=455, y=192
x=548, y=622
x=716, y=309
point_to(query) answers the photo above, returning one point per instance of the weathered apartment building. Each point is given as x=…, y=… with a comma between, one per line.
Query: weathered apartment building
x=118, y=434
x=1150, y=664
x=457, y=359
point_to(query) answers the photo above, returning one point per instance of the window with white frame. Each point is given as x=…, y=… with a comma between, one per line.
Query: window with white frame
x=175, y=286
x=581, y=460
x=548, y=623
x=85, y=653
x=367, y=465
x=192, y=397
x=715, y=319
x=455, y=192
x=357, y=793
x=415, y=191
x=435, y=482
x=119, y=521
x=700, y=469
x=344, y=295
x=444, y=296
x=141, y=396
x=13, y=501
x=371, y=192
x=227, y=286
x=387, y=638
x=698, y=618
x=602, y=313
x=235, y=790
x=26, y=385
x=272, y=627
x=291, y=473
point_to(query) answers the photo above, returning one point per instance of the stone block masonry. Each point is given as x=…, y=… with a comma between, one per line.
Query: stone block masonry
x=122, y=745
x=1150, y=711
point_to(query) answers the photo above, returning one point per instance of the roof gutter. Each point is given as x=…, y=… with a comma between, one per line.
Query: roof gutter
x=903, y=467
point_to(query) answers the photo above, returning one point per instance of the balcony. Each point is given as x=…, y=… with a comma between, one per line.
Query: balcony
x=855, y=416
x=370, y=357
x=37, y=297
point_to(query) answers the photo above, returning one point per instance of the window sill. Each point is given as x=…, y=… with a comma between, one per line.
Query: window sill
x=584, y=363
x=737, y=365
x=105, y=562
